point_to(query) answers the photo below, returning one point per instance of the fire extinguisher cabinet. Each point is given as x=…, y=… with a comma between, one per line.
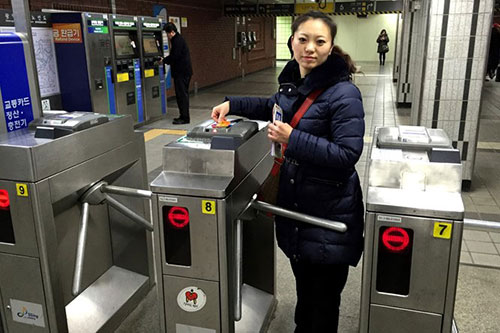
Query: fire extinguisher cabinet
x=413, y=232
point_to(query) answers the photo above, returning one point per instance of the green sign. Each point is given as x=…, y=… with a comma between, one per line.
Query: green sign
x=98, y=30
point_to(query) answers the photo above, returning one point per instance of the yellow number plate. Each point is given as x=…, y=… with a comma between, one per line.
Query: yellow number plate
x=149, y=73
x=122, y=77
x=22, y=190
x=208, y=207
x=442, y=230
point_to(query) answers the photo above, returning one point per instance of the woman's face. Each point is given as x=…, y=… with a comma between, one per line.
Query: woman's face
x=312, y=44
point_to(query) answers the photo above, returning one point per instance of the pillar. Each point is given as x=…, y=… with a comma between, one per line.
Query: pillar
x=454, y=64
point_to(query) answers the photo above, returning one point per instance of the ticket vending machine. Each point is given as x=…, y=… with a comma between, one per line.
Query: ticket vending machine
x=16, y=89
x=83, y=52
x=153, y=75
x=215, y=266
x=413, y=232
x=127, y=66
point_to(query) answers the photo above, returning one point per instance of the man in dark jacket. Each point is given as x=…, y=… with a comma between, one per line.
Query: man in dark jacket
x=494, y=53
x=180, y=62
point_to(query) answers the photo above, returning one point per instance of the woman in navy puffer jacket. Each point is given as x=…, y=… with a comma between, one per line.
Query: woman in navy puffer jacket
x=318, y=175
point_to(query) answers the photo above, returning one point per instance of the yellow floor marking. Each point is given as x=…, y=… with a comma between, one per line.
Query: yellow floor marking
x=151, y=134
x=488, y=145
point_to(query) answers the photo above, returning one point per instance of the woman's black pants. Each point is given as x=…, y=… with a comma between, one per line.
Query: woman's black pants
x=381, y=58
x=318, y=296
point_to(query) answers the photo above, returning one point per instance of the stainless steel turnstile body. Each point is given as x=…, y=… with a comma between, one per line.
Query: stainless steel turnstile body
x=41, y=184
x=413, y=232
x=215, y=266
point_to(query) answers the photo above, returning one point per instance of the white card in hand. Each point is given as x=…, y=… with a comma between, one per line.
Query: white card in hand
x=276, y=146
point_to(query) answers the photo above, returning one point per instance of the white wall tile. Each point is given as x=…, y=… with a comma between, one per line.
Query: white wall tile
x=476, y=87
x=438, y=19
x=475, y=70
x=449, y=91
x=482, y=6
x=467, y=24
x=440, y=7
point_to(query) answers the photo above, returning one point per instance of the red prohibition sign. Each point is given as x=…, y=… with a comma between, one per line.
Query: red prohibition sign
x=178, y=217
x=4, y=199
x=395, y=239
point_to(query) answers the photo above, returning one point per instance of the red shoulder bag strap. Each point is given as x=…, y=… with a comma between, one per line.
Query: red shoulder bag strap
x=295, y=120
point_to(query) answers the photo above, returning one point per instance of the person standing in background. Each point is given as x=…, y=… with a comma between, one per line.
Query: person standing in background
x=180, y=62
x=383, y=48
x=494, y=53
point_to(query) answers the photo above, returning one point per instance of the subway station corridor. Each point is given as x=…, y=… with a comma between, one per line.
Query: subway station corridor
x=477, y=306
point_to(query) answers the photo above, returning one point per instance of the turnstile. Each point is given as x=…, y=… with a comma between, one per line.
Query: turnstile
x=72, y=257
x=413, y=232
x=215, y=266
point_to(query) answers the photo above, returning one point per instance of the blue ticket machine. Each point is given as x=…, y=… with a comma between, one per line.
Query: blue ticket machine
x=83, y=51
x=16, y=108
x=127, y=66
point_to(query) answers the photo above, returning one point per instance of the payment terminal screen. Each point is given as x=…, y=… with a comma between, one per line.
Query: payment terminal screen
x=150, y=46
x=123, y=46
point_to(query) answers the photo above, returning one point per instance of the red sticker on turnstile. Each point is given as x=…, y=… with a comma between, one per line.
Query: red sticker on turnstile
x=4, y=200
x=178, y=217
x=395, y=239
x=191, y=299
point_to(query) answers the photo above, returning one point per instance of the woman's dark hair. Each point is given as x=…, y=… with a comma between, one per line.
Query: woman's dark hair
x=289, y=44
x=169, y=27
x=383, y=31
x=315, y=15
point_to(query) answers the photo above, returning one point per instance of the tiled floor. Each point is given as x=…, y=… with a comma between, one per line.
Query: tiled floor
x=477, y=298
x=481, y=248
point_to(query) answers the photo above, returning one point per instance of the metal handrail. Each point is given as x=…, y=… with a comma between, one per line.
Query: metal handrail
x=238, y=242
x=96, y=195
x=80, y=249
x=481, y=225
x=129, y=213
x=317, y=221
x=130, y=192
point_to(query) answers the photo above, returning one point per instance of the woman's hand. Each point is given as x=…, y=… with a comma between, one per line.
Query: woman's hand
x=220, y=111
x=279, y=132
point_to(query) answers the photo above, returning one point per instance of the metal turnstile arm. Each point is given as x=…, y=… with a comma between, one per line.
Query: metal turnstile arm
x=318, y=221
x=238, y=268
x=128, y=212
x=130, y=192
x=96, y=195
x=481, y=225
x=80, y=250
x=238, y=241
